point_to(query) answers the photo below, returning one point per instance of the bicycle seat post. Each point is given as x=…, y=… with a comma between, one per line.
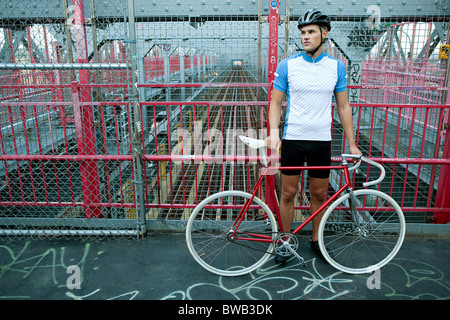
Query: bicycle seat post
x=264, y=157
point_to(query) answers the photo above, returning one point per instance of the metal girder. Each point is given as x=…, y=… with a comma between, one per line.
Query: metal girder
x=18, y=13
x=20, y=37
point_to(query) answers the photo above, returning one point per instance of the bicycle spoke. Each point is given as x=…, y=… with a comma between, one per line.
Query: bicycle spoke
x=217, y=246
x=367, y=243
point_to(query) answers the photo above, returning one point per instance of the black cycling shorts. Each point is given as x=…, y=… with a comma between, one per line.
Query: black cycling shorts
x=294, y=153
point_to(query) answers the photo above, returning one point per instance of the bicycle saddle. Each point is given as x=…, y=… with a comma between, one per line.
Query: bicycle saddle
x=253, y=143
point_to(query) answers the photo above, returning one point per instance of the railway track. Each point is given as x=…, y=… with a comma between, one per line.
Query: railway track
x=195, y=181
x=188, y=183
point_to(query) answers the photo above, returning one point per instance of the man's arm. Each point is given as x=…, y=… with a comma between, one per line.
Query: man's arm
x=274, y=119
x=345, y=115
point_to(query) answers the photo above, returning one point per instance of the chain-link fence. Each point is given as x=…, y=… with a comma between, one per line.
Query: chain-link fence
x=65, y=113
x=105, y=104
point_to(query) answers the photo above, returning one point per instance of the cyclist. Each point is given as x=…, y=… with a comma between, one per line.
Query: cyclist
x=309, y=80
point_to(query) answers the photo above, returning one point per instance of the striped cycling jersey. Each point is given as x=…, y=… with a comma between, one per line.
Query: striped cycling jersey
x=309, y=85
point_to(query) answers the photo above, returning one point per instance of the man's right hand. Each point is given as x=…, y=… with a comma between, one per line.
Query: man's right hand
x=273, y=142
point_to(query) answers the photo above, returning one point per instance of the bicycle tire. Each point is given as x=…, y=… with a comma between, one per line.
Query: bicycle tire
x=362, y=249
x=208, y=236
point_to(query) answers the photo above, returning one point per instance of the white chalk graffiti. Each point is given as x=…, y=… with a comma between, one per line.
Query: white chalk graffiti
x=422, y=281
x=47, y=268
x=295, y=280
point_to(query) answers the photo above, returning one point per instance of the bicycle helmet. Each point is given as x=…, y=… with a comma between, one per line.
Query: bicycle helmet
x=318, y=18
x=314, y=17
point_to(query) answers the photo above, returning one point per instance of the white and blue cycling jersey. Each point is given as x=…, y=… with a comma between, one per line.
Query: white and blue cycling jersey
x=309, y=87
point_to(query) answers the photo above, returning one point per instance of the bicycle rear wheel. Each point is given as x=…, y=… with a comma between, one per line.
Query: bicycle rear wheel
x=368, y=238
x=210, y=237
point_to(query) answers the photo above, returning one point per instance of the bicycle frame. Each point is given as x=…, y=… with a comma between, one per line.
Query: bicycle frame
x=372, y=231
x=258, y=237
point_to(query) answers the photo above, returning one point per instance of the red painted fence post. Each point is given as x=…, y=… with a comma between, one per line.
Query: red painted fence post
x=84, y=118
x=274, y=18
x=443, y=190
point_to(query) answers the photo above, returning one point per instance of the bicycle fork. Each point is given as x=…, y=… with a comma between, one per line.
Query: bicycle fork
x=356, y=216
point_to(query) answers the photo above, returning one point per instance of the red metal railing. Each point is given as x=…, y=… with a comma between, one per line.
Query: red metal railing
x=85, y=158
x=421, y=166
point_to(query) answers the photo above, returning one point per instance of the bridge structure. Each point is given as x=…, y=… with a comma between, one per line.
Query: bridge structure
x=118, y=117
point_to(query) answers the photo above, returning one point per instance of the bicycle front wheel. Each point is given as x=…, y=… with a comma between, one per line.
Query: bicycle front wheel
x=220, y=246
x=365, y=238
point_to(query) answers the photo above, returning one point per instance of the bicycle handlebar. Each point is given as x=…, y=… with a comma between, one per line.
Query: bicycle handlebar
x=379, y=166
x=373, y=163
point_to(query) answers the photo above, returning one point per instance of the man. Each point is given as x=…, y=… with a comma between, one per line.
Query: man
x=309, y=80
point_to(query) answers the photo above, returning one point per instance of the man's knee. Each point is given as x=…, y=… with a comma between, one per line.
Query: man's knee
x=319, y=195
x=319, y=190
x=288, y=194
x=289, y=187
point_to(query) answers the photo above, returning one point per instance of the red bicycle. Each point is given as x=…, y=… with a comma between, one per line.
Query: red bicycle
x=232, y=233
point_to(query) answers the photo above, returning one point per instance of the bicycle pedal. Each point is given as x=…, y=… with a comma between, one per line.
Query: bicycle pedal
x=302, y=261
x=294, y=253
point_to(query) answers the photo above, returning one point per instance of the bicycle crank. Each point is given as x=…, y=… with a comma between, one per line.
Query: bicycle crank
x=286, y=244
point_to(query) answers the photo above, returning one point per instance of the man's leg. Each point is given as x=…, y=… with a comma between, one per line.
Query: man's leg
x=318, y=188
x=289, y=187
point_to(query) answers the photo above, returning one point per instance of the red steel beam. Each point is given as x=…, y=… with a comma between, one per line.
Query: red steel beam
x=274, y=18
x=443, y=190
x=84, y=119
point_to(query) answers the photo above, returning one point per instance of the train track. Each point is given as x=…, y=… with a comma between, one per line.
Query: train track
x=190, y=182
x=196, y=181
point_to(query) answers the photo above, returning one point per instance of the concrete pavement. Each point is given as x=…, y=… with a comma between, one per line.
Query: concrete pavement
x=160, y=267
